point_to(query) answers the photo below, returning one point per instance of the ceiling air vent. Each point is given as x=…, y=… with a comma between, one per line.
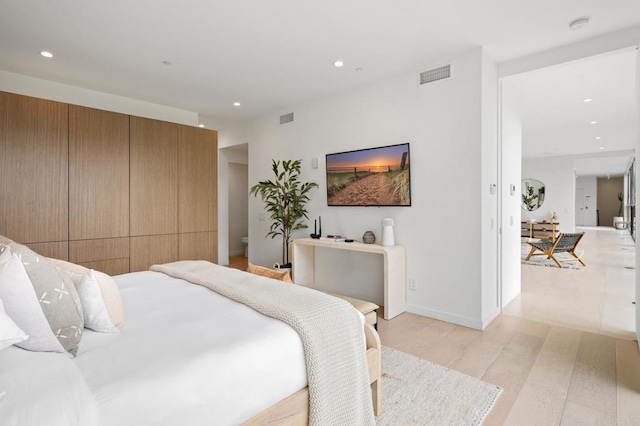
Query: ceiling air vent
x=435, y=74
x=287, y=118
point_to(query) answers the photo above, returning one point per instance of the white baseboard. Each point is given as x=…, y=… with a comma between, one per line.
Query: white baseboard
x=492, y=315
x=445, y=316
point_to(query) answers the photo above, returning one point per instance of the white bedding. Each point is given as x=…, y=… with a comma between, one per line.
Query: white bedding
x=185, y=356
x=43, y=388
x=175, y=363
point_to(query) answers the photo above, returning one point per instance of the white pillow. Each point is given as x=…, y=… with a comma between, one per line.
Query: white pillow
x=22, y=306
x=10, y=333
x=108, y=289
x=96, y=316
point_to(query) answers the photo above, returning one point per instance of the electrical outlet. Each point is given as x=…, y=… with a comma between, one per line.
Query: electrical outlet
x=412, y=285
x=261, y=217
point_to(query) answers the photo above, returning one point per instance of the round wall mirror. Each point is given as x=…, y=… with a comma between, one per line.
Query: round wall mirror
x=532, y=194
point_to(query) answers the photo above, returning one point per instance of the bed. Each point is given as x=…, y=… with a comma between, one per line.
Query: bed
x=187, y=355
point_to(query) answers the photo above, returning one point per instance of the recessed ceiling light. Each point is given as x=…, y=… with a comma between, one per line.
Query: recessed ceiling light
x=338, y=64
x=602, y=147
x=587, y=100
x=579, y=23
x=46, y=54
x=594, y=122
x=200, y=125
x=166, y=62
x=598, y=137
x=236, y=104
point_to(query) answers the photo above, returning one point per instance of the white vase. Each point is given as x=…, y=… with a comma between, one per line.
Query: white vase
x=387, y=232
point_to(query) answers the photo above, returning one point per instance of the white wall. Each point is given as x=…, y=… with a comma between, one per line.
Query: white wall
x=449, y=224
x=238, y=207
x=586, y=199
x=489, y=191
x=558, y=176
x=511, y=211
x=30, y=86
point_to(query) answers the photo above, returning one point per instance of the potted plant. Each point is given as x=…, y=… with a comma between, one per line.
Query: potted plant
x=285, y=199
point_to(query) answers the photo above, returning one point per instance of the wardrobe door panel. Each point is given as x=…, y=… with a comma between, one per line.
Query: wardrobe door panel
x=197, y=192
x=154, y=249
x=58, y=250
x=98, y=174
x=154, y=177
x=109, y=267
x=34, y=197
x=198, y=246
x=3, y=137
x=94, y=250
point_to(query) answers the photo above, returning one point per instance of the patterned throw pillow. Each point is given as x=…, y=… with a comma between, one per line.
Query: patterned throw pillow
x=56, y=295
x=22, y=305
x=108, y=289
x=270, y=273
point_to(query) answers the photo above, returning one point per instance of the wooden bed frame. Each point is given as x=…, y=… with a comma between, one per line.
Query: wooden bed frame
x=294, y=410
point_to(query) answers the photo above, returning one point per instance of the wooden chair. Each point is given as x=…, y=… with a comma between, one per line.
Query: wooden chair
x=565, y=243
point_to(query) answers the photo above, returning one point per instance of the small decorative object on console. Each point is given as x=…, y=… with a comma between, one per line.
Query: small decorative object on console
x=369, y=237
x=387, y=232
x=334, y=238
x=316, y=235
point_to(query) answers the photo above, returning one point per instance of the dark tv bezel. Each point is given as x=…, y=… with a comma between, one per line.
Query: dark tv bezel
x=367, y=149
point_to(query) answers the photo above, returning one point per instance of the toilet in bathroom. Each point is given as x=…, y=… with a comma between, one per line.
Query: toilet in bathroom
x=245, y=241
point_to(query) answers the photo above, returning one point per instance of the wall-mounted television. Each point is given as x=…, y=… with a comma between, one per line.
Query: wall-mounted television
x=370, y=177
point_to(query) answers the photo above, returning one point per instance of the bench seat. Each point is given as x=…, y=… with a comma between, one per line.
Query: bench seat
x=368, y=309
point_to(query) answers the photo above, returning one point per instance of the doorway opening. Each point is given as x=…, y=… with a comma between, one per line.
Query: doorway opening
x=570, y=145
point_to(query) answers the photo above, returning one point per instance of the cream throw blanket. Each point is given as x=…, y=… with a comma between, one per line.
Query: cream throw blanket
x=330, y=329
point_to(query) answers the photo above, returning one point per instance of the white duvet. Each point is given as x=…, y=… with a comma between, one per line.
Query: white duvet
x=185, y=356
x=43, y=388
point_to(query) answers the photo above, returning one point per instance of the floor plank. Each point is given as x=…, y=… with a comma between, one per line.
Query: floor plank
x=628, y=382
x=545, y=390
x=510, y=371
x=593, y=383
x=576, y=414
x=238, y=262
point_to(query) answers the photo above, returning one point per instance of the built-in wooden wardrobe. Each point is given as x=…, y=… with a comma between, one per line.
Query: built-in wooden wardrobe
x=113, y=192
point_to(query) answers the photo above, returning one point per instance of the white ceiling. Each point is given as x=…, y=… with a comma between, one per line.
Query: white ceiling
x=556, y=121
x=269, y=55
x=272, y=54
x=602, y=166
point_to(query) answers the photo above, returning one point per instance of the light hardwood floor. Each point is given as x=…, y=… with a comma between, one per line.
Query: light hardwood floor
x=551, y=375
x=597, y=298
x=238, y=262
x=562, y=351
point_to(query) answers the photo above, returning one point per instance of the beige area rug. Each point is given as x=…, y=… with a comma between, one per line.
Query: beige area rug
x=418, y=392
x=543, y=261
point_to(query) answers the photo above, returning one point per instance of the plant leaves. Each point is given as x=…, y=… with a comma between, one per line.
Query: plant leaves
x=285, y=199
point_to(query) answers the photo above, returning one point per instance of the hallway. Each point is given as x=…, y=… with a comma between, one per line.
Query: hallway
x=598, y=298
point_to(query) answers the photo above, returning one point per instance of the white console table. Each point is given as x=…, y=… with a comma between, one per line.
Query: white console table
x=394, y=268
